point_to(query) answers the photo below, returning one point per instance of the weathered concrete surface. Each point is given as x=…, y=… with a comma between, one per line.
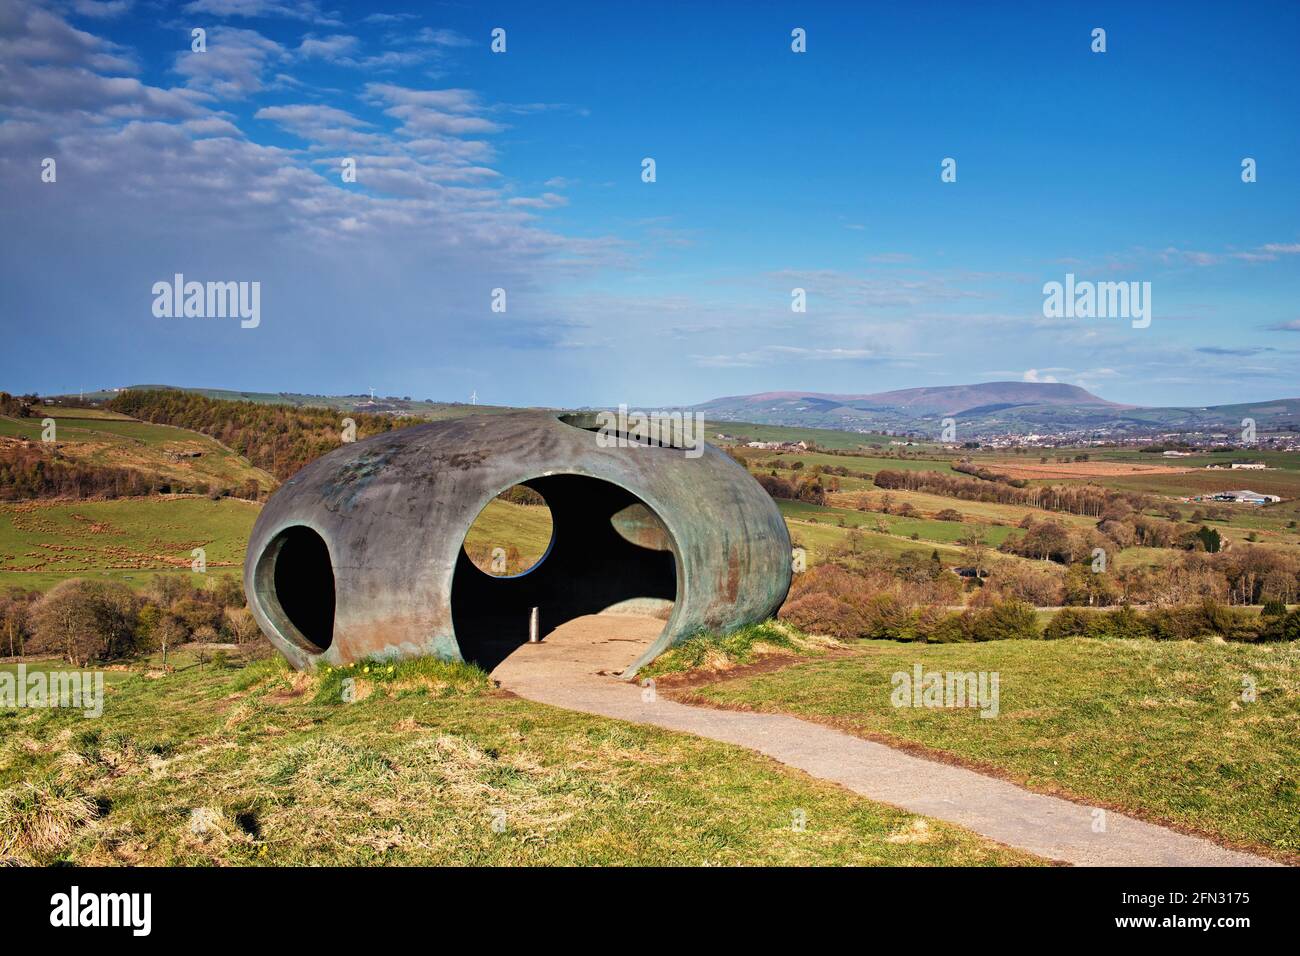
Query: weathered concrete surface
x=391, y=513
x=576, y=668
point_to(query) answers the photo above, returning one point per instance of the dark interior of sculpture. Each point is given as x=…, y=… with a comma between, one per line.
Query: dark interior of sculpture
x=295, y=580
x=608, y=551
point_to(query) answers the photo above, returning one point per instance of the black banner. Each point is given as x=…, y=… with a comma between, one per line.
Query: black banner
x=333, y=906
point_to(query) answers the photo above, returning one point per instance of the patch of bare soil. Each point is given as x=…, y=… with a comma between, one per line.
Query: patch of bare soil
x=774, y=661
x=1079, y=469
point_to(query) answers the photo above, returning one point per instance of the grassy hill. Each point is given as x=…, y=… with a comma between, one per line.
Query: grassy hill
x=439, y=410
x=254, y=765
x=102, y=438
x=419, y=408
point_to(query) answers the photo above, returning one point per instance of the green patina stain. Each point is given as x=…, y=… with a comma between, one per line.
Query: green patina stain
x=341, y=494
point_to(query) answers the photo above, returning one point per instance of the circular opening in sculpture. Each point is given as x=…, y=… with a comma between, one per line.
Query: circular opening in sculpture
x=511, y=534
x=620, y=429
x=295, y=585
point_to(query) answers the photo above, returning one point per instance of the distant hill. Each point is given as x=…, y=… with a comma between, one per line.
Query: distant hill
x=983, y=409
x=992, y=408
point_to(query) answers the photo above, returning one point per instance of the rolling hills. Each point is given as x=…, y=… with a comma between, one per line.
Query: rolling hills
x=993, y=408
x=983, y=409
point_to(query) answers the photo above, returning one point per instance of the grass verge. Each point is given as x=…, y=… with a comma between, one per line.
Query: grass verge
x=259, y=765
x=717, y=653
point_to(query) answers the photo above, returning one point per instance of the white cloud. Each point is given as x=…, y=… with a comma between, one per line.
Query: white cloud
x=335, y=47
x=544, y=201
x=30, y=34
x=1269, y=252
x=771, y=354
x=449, y=112
x=234, y=64
x=101, y=9
x=389, y=17
x=306, y=10
x=443, y=38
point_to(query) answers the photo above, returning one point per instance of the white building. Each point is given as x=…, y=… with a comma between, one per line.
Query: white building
x=1245, y=497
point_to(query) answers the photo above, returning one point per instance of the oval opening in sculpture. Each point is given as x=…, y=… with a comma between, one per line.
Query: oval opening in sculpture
x=668, y=430
x=295, y=584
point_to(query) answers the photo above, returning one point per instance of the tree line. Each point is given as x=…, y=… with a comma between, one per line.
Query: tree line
x=276, y=438
x=29, y=471
x=17, y=406
x=1079, y=500
x=912, y=598
x=86, y=621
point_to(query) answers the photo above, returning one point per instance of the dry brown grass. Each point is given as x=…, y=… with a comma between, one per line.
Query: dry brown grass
x=39, y=820
x=433, y=767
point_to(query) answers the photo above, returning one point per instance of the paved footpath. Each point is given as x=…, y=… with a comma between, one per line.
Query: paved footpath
x=576, y=668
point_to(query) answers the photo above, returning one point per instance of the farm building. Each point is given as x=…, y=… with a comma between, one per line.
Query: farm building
x=1244, y=497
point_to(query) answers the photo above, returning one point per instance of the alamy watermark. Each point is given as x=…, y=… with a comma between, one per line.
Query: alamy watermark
x=624, y=429
x=74, y=690
x=133, y=911
x=208, y=300
x=922, y=688
x=1098, y=300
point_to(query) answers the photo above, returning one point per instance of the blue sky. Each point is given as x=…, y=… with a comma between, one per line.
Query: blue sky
x=775, y=170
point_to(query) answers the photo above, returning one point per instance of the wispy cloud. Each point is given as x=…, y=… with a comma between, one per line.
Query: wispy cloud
x=305, y=10
x=771, y=354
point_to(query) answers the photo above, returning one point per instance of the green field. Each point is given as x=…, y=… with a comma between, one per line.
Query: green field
x=868, y=463
x=90, y=414
x=1274, y=459
x=258, y=766
x=1158, y=729
x=111, y=677
x=503, y=524
x=820, y=540
x=129, y=539
x=981, y=512
x=926, y=529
